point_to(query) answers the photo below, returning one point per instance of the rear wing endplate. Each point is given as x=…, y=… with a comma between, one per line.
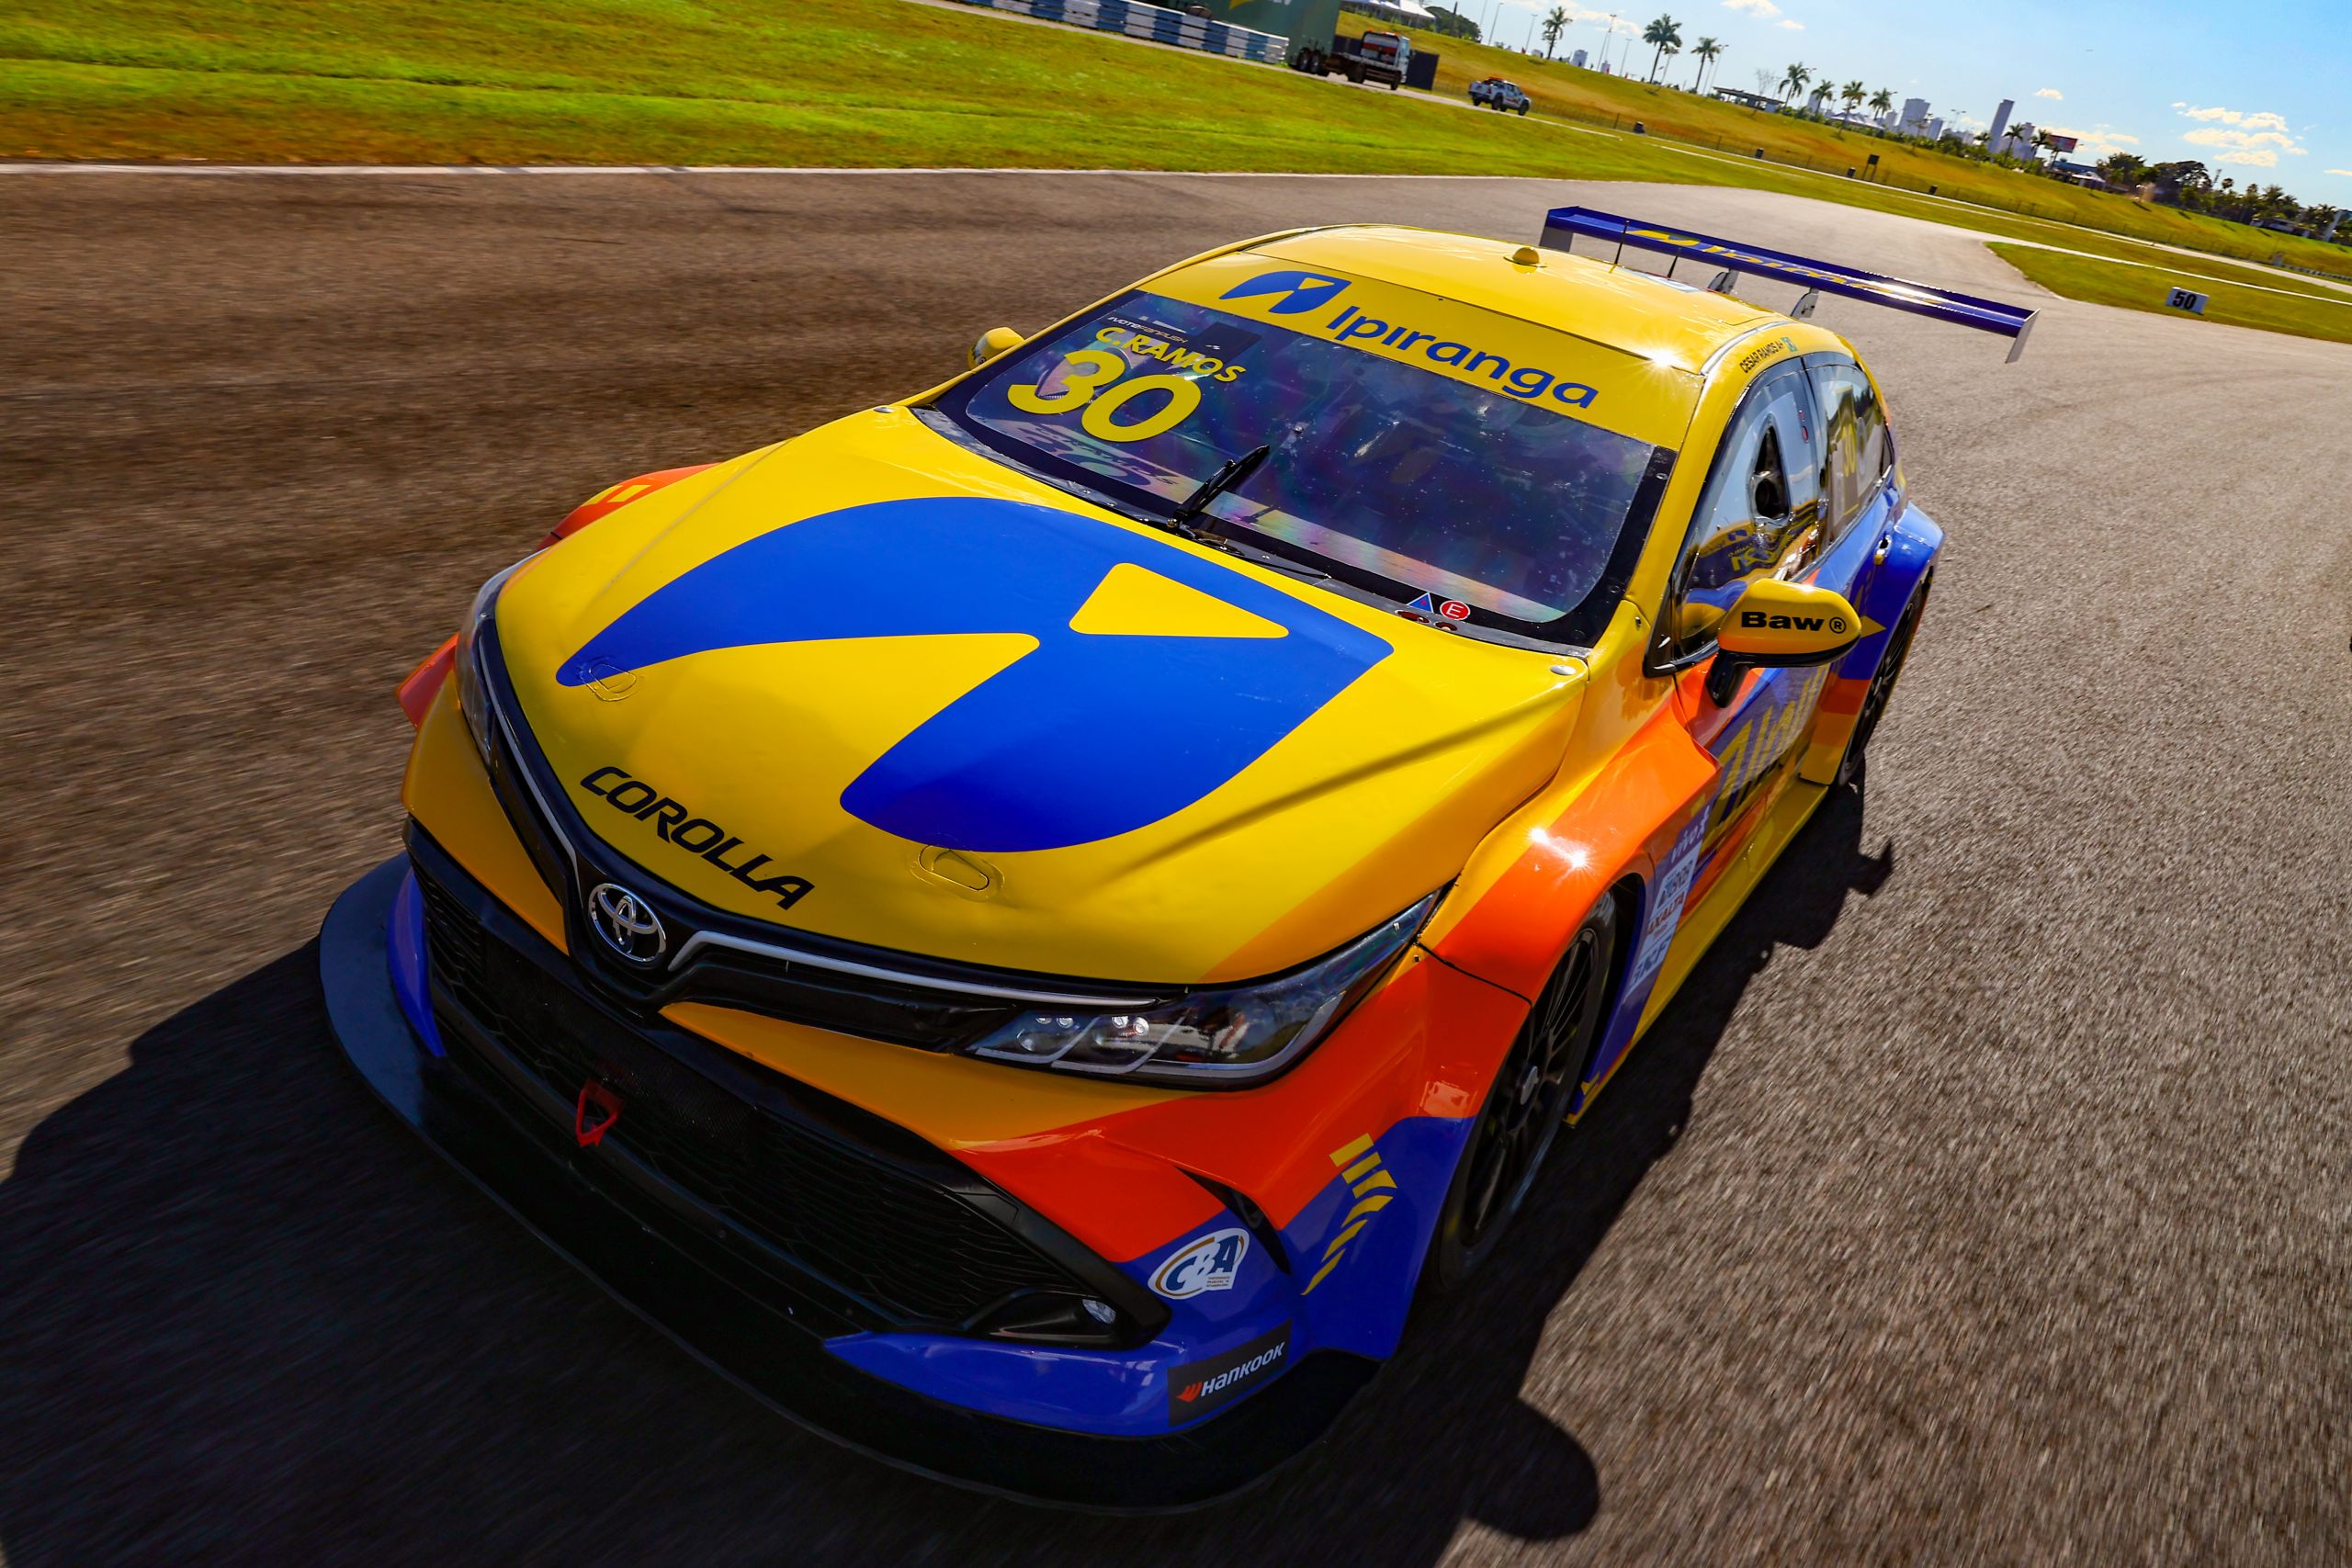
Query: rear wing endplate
x=1564, y=225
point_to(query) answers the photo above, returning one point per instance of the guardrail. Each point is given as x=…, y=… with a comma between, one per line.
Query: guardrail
x=2278, y=259
x=1156, y=23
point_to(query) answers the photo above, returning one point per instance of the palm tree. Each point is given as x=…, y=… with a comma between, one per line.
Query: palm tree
x=1554, y=25
x=1852, y=94
x=1883, y=102
x=1665, y=32
x=1794, y=79
x=1707, y=49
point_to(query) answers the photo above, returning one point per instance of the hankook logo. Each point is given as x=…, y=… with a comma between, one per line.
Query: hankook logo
x=1198, y=1387
x=626, y=922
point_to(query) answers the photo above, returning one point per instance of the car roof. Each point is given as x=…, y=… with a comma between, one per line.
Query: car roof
x=1621, y=307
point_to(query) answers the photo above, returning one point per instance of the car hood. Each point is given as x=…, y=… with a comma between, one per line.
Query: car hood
x=871, y=684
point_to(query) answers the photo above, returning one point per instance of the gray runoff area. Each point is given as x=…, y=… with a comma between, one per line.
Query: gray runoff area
x=1983, y=1199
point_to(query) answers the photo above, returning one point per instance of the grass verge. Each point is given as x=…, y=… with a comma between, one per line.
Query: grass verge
x=2140, y=288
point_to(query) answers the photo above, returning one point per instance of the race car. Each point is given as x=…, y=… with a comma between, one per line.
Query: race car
x=1028, y=924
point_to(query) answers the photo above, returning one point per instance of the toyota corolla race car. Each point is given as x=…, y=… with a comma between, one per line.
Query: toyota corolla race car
x=1025, y=925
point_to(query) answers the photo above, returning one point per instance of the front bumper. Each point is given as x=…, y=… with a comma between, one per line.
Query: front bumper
x=689, y=1277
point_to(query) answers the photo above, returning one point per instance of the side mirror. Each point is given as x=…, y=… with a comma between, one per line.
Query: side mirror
x=993, y=342
x=1776, y=624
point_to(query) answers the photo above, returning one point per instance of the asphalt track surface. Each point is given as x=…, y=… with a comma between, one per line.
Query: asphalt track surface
x=1985, y=1198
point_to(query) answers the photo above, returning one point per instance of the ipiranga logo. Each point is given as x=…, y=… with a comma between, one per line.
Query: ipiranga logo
x=1305, y=292
x=1301, y=291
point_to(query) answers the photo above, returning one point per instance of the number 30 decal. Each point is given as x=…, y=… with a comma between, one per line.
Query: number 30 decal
x=1088, y=383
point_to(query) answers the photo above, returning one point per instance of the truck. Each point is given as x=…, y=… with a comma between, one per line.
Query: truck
x=1374, y=57
x=1495, y=93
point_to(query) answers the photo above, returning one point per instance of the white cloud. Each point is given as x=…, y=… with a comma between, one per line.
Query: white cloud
x=2259, y=135
x=2257, y=149
x=2344, y=172
x=1791, y=23
x=1758, y=8
x=2053, y=93
x=2261, y=120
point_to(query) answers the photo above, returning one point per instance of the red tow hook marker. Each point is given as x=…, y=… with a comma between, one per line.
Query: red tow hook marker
x=599, y=1107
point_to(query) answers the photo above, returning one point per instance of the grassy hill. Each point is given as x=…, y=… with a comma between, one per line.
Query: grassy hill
x=1710, y=123
x=815, y=82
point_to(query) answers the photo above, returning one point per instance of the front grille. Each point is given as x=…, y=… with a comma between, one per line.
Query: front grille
x=859, y=1221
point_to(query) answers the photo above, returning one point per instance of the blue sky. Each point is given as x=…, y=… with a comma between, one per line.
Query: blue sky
x=2255, y=90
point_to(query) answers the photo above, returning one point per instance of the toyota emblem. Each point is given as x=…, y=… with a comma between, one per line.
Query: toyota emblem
x=626, y=922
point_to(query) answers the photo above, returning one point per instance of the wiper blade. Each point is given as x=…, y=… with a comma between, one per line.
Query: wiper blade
x=1216, y=484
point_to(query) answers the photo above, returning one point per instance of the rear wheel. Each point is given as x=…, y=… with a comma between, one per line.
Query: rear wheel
x=1528, y=1102
x=1881, y=686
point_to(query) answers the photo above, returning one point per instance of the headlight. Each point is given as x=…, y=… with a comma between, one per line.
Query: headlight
x=1212, y=1038
x=473, y=699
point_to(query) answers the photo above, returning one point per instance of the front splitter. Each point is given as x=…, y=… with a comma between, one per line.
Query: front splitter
x=680, y=1284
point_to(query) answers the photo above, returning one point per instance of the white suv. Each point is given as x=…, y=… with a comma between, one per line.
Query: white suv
x=1494, y=92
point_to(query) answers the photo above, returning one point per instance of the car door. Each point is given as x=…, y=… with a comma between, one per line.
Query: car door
x=1762, y=514
x=1857, y=492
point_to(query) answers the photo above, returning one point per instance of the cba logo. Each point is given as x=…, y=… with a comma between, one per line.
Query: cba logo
x=1209, y=1264
x=1304, y=290
x=1155, y=677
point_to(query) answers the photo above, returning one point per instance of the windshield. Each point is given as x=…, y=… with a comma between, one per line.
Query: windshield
x=1481, y=501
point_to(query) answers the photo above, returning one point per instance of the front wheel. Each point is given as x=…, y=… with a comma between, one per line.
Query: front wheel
x=1522, y=109
x=1881, y=686
x=1527, y=1103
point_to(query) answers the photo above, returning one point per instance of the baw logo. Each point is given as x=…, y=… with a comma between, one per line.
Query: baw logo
x=1789, y=623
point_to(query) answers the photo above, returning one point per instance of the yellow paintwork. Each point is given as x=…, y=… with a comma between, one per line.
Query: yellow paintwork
x=1446, y=763
x=447, y=790
x=1367, y=805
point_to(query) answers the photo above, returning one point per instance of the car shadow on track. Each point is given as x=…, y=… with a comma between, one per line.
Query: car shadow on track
x=243, y=1315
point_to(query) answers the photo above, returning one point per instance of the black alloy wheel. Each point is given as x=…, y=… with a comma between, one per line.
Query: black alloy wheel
x=1528, y=1103
x=1881, y=686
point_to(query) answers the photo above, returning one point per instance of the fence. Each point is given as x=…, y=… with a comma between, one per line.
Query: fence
x=1156, y=23
x=2278, y=259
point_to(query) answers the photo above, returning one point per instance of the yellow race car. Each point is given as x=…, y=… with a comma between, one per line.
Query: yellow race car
x=1026, y=924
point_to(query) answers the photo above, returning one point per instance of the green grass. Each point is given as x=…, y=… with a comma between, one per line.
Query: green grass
x=884, y=83
x=2317, y=314
x=818, y=81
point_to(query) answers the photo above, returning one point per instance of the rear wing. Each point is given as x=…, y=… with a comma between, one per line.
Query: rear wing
x=1564, y=225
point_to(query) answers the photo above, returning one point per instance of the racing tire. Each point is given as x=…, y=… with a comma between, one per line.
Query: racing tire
x=1881, y=686
x=1523, y=111
x=1527, y=1105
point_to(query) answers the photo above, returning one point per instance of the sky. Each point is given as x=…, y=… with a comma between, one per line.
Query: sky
x=2254, y=91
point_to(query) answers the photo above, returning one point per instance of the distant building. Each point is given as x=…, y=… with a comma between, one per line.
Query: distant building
x=1914, y=116
x=1933, y=128
x=1819, y=102
x=2000, y=123
x=2016, y=142
x=1577, y=59
x=1748, y=100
